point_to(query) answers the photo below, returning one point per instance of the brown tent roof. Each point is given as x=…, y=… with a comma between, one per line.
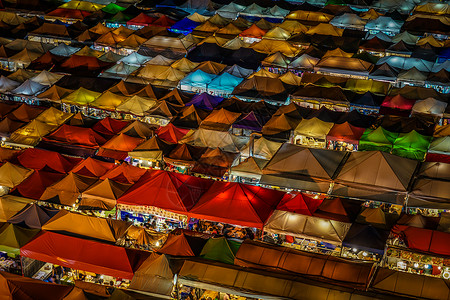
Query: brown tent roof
x=221, y=120
x=67, y=190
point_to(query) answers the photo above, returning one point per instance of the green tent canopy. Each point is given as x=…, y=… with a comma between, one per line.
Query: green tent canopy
x=379, y=139
x=113, y=8
x=412, y=145
x=13, y=237
x=220, y=249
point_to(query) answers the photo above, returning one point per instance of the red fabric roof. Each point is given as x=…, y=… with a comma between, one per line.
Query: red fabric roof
x=171, y=134
x=124, y=173
x=345, y=132
x=396, y=105
x=69, y=13
x=164, y=21
x=237, y=203
x=20, y=288
x=118, y=146
x=42, y=159
x=81, y=254
x=426, y=240
x=167, y=190
x=89, y=62
x=77, y=136
x=92, y=167
x=109, y=126
x=34, y=186
x=299, y=204
x=141, y=20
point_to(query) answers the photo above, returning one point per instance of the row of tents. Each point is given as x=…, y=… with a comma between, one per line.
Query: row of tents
x=55, y=244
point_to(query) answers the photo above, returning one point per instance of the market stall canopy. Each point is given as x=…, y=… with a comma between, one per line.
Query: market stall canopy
x=302, y=168
x=124, y=173
x=39, y=159
x=91, y=227
x=92, y=167
x=12, y=175
x=260, y=148
x=367, y=238
x=220, y=249
x=85, y=255
x=426, y=240
x=212, y=138
x=11, y=205
x=389, y=183
x=154, y=276
x=13, y=237
x=33, y=216
x=323, y=268
x=302, y=226
x=36, y=183
x=167, y=190
x=102, y=195
x=410, y=285
x=67, y=190
x=183, y=244
x=19, y=287
x=240, y=204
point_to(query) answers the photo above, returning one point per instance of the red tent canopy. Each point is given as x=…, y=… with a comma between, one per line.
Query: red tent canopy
x=69, y=13
x=82, y=254
x=343, y=210
x=237, y=203
x=345, y=132
x=89, y=62
x=124, y=173
x=119, y=146
x=34, y=186
x=92, y=167
x=141, y=20
x=396, y=105
x=109, y=127
x=76, y=136
x=299, y=204
x=426, y=240
x=183, y=244
x=167, y=190
x=171, y=134
x=20, y=288
x=164, y=21
x=47, y=160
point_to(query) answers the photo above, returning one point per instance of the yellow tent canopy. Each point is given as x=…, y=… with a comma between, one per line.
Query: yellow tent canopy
x=86, y=51
x=82, y=5
x=12, y=175
x=81, y=96
x=11, y=205
x=32, y=133
x=184, y=65
x=98, y=228
x=325, y=29
x=277, y=33
x=314, y=128
x=108, y=101
x=67, y=190
x=271, y=46
x=136, y=105
x=53, y=116
x=103, y=195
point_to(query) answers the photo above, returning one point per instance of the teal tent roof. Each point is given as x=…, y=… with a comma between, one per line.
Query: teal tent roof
x=197, y=78
x=224, y=82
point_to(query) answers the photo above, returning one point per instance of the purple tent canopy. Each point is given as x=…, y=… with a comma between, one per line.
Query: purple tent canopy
x=250, y=121
x=205, y=101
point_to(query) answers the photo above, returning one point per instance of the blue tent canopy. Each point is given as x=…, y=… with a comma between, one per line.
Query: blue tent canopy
x=224, y=84
x=196, y=81
x=185, y=26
